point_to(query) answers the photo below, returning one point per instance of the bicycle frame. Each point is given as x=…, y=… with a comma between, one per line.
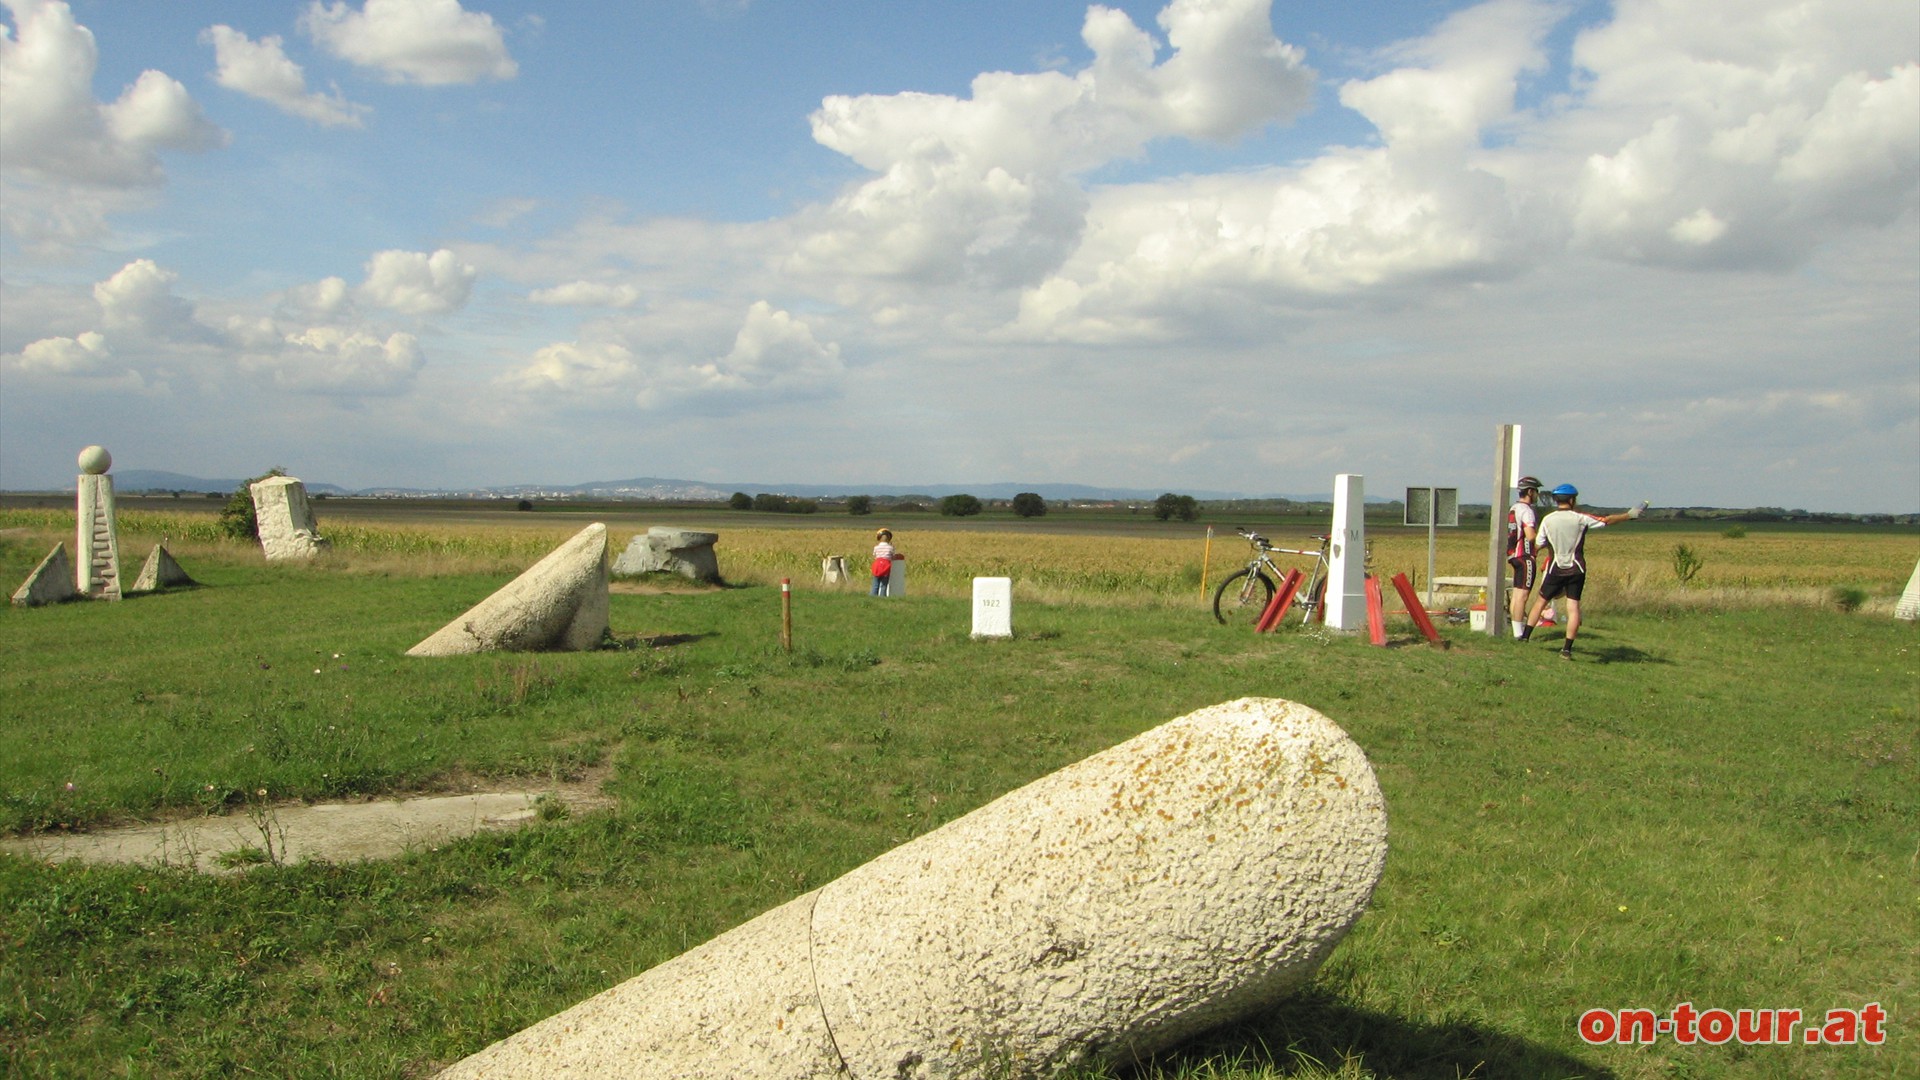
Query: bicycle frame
x=1262, y=572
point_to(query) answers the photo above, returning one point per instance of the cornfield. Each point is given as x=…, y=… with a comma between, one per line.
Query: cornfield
x=1633, y=565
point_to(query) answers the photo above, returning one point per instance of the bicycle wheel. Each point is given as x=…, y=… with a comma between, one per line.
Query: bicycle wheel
x=1242, y=597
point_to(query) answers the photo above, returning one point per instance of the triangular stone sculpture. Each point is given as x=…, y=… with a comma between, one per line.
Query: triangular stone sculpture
x=160, y=571
x=1909, y=606
x=559, y=604
x=50, y=582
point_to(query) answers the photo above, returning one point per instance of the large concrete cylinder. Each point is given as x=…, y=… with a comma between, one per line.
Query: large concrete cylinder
x=1186, y=877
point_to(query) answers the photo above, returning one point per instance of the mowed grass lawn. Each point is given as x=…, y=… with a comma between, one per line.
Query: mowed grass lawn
x=1718, y=802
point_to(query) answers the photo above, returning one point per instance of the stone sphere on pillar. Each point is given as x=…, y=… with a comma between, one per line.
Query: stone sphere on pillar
x=95, y=460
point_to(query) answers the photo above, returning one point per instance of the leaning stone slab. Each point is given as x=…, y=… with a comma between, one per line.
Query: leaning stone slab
x=285, y=520
x=160, y=571
x=559, y=603
x=664, y=549
x=1189, y=876
x=50, y=583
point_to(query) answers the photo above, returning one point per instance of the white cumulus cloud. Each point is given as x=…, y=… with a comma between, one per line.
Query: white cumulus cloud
x=334, y=361
x=138, y=299
x=985, y=189
x=415, y=283
x=83, y=354
x=587, y=294
x=429, y=42
x=774, y=356
x=261, y=69
x=67, y=161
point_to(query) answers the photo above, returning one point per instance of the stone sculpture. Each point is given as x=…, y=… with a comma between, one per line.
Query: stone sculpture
x=665, y=549
x=559, y=603
x=1908, y=606
x=1189, y=876
x=50, y=583
x=160, y=571
x=284, y=519
x=97, y=543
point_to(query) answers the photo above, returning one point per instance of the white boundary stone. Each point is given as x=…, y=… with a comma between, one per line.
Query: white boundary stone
x=1189, y=876
x=992, y=607
x=1347, y=560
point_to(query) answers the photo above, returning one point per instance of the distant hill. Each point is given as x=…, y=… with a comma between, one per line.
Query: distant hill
x=131, y=481
x=667, y=489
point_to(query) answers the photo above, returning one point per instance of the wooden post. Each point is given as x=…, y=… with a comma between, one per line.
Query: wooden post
x=786, y=614
x=1206, y=560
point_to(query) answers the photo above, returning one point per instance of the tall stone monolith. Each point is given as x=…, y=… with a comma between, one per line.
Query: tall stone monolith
x=97, y=539
x=1194, y=874
x=284, y=519
x=560, y=603
x=50, y=583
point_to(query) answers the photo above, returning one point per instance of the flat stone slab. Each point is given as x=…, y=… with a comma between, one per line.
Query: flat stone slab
x=336, y=832
x=1187, y=877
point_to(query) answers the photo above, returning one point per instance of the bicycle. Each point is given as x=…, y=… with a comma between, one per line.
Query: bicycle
x=1243, y=595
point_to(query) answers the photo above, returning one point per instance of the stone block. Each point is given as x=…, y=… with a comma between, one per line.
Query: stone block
x=160, y=571
x=284, y=519
x=559, y=604
x=50, y=583
x=992, y=607
x=664, y=549
x=1190, y=876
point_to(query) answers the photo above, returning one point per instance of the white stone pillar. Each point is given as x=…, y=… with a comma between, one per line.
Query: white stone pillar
x=897, y=577
x=97, y=539
x=1347, y=560
x=992, y=607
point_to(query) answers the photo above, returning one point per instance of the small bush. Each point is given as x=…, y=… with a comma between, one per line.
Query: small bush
x=1848, y=597
x=237, y=518
x=1686, y=563
x=1734, y=532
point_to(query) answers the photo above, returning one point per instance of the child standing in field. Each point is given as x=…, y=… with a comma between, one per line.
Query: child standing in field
x=883, y=556
x=1563, y=534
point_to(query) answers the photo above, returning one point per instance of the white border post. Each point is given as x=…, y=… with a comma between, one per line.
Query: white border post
x=1505, y=456
x=1347, y=562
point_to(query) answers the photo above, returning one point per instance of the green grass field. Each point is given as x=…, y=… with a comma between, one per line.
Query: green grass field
x=1718, y=802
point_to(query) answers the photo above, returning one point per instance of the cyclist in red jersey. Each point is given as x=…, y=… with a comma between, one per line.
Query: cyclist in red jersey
x=1521, y=525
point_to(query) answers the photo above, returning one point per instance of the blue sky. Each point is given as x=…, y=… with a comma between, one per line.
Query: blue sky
x=1205, y=245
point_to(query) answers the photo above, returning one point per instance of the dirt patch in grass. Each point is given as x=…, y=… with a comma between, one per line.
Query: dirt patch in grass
x=337, y=832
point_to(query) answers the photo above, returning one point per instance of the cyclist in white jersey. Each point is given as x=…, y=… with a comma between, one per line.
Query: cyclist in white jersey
x=1564, y=534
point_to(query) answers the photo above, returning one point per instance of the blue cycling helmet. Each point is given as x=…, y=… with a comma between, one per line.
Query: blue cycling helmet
x=1565, y=491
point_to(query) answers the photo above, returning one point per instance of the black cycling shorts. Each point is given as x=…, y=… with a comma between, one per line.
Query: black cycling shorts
x=1522, y=573
x=1567, y=584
